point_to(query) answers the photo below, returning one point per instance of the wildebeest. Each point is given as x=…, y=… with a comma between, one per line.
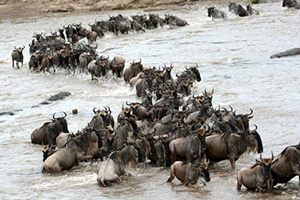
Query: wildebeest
x=190, y=147
x=216, y=13
x=175, y=21
x=143, y=147
x=47, y=63
x=257, y=176
x=117, y=66
x=17, y=55
x=238, y=9
x=113, y=167
x=288, y=165
x=133, y=70
x=189, y=173
x=47, y=133
x=231, y=146
x=291, y=4
x=67, y=157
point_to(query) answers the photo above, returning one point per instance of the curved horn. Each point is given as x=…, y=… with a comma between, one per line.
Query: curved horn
x=260, y=157
x=255, y=127
x=23, y=46
x=231, y=109
x=54, y=116
x=128, y=104
x=251, y=112
x=140, y=60
x=272, y=156
x=64, y=114
x=109, y=111
x=15, y=47
x=94, y=110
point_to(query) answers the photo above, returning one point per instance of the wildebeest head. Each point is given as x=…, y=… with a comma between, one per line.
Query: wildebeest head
x=19, y=49
x=62, y=121
x=210, y=10
x=255, y=143
x=203, y=169
x=266, y=164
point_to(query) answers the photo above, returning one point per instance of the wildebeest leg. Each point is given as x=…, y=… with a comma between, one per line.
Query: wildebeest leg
x=13, y=63
x=232, y=162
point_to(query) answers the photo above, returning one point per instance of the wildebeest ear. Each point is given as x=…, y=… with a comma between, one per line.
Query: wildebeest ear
x=258, y=162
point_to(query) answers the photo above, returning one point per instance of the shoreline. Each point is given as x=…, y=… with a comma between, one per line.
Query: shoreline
x=30, y=8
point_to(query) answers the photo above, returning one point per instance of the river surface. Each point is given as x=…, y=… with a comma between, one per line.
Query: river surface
x=233, y=58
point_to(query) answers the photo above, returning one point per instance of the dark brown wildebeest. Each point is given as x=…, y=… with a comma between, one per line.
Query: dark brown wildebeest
x=133, y=70
x=291, y=4
x=138, y=110
x=190, y=148
x=47, y=63
x=215, y=13
x=189, y=173
x=47, y=133
x=288, y=165
x=237, y=9
x=257, y=176
x=67, y=157
x=113, y=167
x=17, y=55
x=106, y=115
x=231, y=146
x=117, y=66
x=143, y=147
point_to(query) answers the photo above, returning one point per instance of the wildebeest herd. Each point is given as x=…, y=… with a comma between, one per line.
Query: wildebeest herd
x=169, y=127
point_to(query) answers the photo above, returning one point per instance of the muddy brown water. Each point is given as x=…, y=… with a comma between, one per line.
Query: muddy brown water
x=233, y=58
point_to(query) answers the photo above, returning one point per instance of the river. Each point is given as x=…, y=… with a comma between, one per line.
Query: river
x=233, y=58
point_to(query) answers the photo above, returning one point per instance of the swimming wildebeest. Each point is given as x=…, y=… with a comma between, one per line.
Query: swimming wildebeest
x=257, y=176
x=216, y=13
x=111, y=169
x=69, y=156
x=17, y=55
x=48, y=133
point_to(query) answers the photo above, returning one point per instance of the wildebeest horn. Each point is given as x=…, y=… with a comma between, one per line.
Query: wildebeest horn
x=272, y=156
x=251, y=112
x=65, y=114
x=177, y=75
x=94, y=110
x=140, y=60
x=109, y=111
x=255, y=127
x=15, y=47
x=128, y=104
x=231, y=109
x=23, y=47
x=54, y=116
x=260, y=157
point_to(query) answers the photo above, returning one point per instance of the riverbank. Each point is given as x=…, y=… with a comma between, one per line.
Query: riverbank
x=26, y=8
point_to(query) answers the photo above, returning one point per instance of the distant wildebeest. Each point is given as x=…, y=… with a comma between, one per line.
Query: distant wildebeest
x=215, y=13
x=114, y=166
x=238, y=9
x=291, y=4
x=117, y=66
x=133, y=70
x=175, y=21
x=189, y=173
x=288, y=165
x=258, y=176
x=17, y=55
x=48, y=133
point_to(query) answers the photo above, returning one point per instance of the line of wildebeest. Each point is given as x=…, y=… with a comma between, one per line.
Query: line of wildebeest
x=169, y=127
